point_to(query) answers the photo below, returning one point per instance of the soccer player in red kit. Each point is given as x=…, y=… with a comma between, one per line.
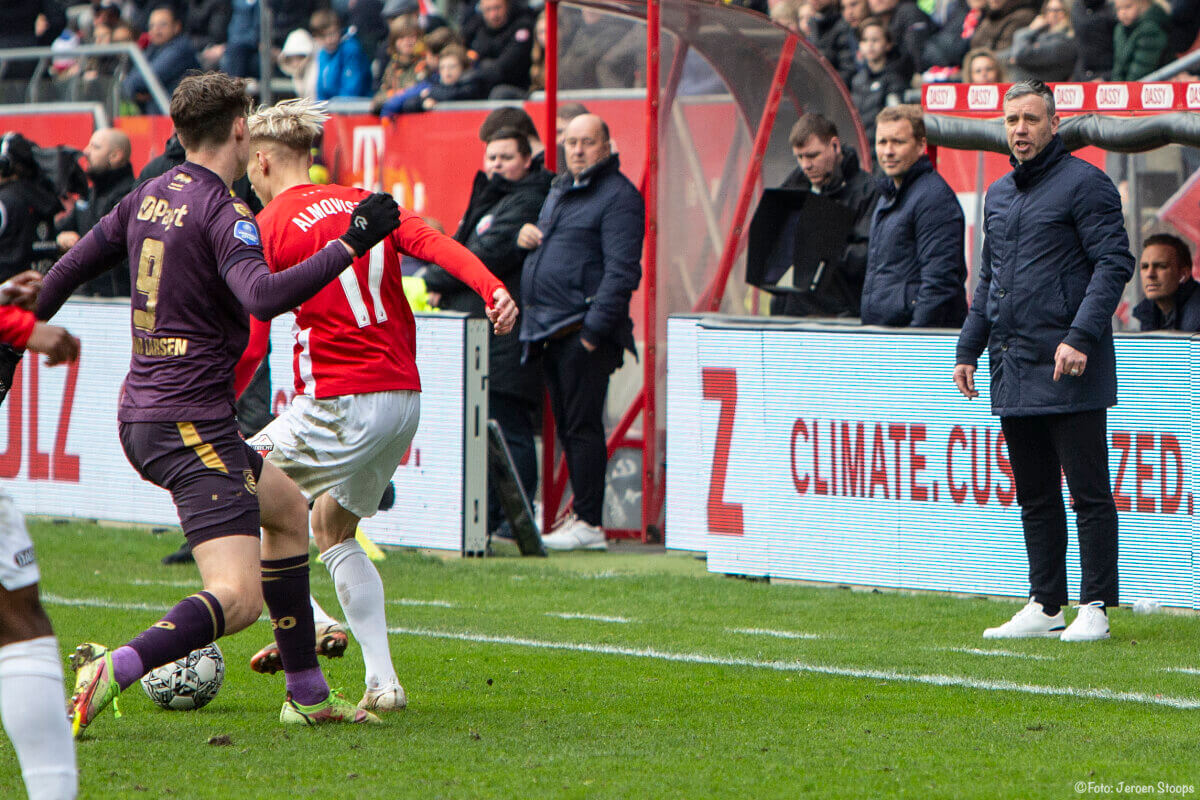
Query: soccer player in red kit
x=357, y=397
x=31, y=694
x=196, y=269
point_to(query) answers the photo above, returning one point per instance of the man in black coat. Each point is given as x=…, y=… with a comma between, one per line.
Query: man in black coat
x=1055, y=262
x=831, y=170
x=1172, y=302
x=501, y=37
x=111, y=176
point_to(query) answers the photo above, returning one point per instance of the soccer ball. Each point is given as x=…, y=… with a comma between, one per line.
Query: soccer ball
x=190, y=682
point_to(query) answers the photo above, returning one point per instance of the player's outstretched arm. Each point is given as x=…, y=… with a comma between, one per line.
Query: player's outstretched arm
x=19, y=329
x=417, y=239
x=266, y=295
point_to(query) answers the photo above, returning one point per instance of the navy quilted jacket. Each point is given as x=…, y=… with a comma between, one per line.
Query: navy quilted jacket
x=1055, y=261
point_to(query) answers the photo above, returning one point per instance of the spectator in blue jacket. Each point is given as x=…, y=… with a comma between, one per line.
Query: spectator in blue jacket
x=1172, y=303
x=170, y=55
x=915, y=263
x=343, y=69
x=576, y=285
x=1055, y=261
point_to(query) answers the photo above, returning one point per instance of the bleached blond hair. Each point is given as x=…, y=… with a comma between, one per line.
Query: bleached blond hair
x=295, y=124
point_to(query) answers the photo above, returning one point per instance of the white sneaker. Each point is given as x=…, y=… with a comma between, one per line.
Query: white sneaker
x=1090, y=626
x=1028, y=623
x=575, y=534
x=385, y=698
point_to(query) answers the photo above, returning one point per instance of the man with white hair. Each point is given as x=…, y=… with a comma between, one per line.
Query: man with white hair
x=355, y=363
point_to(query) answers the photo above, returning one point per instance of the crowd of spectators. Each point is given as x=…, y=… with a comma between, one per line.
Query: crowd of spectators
x=391, y=50
x=883, y=48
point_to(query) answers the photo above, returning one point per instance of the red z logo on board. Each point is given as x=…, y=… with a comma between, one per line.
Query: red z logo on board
x=723, y=517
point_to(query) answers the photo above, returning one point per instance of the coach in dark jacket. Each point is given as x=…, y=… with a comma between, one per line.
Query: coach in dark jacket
x=577, y=284
x=1055, y=262
x=501, y=37
x=915, y=263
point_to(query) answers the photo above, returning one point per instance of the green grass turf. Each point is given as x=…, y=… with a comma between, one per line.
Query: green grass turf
x=509, y=720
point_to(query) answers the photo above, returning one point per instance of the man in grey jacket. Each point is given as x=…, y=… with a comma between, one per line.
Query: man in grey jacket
x=1055, y=261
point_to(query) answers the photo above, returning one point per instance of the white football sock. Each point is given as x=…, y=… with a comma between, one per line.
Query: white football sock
x=360, y=590
x=320, y=616
x=31, y=704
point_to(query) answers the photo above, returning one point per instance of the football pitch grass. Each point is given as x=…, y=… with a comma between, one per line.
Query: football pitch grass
x=632, y=675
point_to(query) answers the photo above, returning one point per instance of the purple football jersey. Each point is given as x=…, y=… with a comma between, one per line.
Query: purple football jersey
x=196, y=265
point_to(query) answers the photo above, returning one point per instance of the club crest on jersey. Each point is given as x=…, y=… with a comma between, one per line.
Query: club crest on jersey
x=485, y=224
x=245, y=231
x=262, y=444
x=249, y=482
x=243, y=209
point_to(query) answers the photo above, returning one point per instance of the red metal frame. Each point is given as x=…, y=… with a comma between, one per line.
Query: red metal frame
x=551, y=66
x=710, y=299
x=645, y=402
x=650, y=471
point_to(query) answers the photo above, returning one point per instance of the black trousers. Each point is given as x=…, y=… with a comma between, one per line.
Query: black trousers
x=1042, y=449
x=578, y=383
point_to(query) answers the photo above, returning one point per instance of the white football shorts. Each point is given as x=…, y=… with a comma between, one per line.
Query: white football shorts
x=18, y=566
x=349, y=446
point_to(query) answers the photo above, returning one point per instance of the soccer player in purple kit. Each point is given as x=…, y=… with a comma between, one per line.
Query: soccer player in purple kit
x=197, y=267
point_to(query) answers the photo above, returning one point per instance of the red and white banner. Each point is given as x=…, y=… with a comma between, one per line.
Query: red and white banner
x=986, y=99
x=846, y=455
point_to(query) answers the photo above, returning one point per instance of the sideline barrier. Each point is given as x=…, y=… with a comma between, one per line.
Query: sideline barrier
x=844, y=454
x=60, y=455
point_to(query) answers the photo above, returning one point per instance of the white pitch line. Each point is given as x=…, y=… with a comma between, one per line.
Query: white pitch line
x=776, y=634
x=958, y=681
x=175, y=584
x=95, y=602
x=975, y=651
x=405, y=601
x=592, y=617
x=1183, y=670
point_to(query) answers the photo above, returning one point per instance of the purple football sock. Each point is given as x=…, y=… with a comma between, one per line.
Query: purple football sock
x=194, y=622
x=285, y=591
x=127, y=666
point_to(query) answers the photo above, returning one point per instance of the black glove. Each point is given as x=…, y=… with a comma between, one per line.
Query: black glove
x=10, y=358
x=373, y=219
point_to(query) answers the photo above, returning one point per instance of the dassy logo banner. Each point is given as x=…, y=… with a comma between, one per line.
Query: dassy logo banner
x=849, y=456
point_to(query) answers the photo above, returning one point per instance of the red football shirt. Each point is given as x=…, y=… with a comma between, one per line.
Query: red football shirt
x=357, y=335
